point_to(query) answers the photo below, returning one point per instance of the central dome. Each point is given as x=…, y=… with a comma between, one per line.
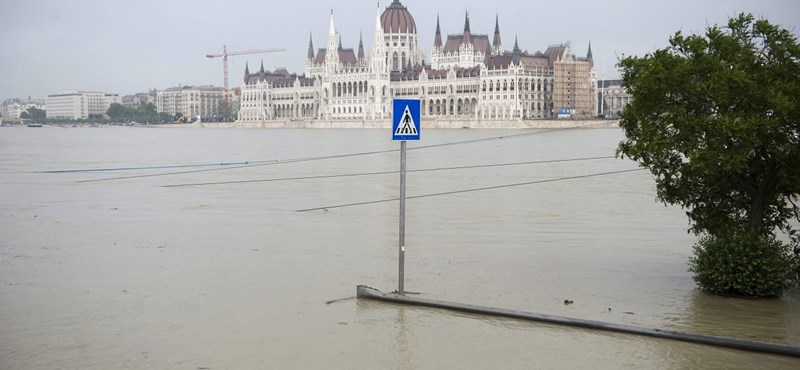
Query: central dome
x=397, y=19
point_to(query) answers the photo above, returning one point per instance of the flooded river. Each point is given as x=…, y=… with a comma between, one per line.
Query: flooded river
x=131, y=273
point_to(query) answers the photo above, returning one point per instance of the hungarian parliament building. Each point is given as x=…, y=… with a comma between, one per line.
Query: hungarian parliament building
x=470, y=77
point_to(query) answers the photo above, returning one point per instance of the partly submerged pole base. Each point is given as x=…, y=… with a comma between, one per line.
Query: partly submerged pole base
x=363, y=291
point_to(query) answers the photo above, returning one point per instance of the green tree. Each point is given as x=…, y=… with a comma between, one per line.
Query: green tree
x=146, y=112
x=116, y=111
x=34, y=113
x=716, y=119
x=148, y=109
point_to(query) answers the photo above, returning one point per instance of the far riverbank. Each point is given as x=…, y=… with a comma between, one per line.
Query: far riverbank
x=426, y=123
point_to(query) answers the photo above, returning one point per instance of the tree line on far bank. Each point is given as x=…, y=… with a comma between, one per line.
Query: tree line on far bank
x=142, y=113
x=116, y=113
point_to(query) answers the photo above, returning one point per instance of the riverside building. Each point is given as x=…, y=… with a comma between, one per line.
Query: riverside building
x=470, y=77
x=80, y=104
x=13, y=108
x=615, y=97
x=206, y=102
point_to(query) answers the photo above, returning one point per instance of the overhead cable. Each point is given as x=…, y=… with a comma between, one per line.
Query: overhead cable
x=470, y=190
x=385, y=172
x=161, y=167
x=338, y=156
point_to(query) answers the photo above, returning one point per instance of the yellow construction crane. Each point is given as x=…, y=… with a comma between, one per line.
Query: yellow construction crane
x=225, y=54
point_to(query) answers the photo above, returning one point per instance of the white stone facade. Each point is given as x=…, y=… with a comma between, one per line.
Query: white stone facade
x=470, y=78
x=13, y=108
x=615, y=96
x=80, y=104
x=206, y=102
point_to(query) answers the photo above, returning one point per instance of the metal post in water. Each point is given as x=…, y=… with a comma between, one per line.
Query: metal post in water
x=400, y=289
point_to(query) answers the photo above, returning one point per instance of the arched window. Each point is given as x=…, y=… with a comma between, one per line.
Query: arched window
x=403, y=65
x=395, y=62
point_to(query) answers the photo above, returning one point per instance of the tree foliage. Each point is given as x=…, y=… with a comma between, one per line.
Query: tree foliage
x=140, y=113
x=116, y=111
x=740, y=264
x=34, y=114
x=716, y=119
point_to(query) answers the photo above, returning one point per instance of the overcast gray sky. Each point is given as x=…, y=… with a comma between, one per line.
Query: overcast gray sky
x=125, y=47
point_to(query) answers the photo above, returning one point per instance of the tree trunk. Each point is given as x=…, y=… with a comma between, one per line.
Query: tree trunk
x=764, y=192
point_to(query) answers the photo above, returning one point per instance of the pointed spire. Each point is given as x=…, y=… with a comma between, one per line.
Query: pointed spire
x=331, y=28
x=378, y=27
x=262, y=67
x=331, y=56
x=340, y=41
x=516, y=56
x=589, y=53
x=467, y=40
x=246, y=72
x=360, y=46
x=377, y=59
x=310, y=47
x=437, y=41
x=496, y=42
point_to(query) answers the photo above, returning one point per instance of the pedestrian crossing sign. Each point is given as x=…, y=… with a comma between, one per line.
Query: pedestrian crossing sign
x=405, y=120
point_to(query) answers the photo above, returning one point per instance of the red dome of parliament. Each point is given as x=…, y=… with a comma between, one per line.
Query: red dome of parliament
x=397, y=19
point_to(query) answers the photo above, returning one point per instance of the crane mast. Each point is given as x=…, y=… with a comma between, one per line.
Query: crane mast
x=225, y=54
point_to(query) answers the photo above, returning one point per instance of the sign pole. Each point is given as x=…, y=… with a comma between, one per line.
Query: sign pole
x=401, y=277
x=405, y=126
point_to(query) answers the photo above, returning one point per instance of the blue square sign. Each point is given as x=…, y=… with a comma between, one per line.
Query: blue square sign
x=405, y=120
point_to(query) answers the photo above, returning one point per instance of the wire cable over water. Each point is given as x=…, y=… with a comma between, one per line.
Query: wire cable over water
x=387, y=172
x=222, y=164
x=471, y=190
x=338, y=156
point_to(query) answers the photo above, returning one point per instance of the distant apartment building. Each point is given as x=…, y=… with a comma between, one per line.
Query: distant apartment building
x=80, y=104
x=13, y=108
x=614, y=96
x=139, y=99
x=191, y=101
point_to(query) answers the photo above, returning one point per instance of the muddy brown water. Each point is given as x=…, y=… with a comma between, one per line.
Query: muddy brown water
x=129, y=274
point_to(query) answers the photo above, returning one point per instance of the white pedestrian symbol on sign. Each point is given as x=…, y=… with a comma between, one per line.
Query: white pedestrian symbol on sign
x=407, y=125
